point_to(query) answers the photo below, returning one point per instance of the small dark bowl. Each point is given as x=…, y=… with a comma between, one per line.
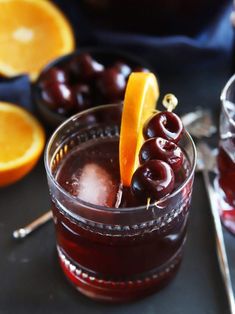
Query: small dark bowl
x=105, y=56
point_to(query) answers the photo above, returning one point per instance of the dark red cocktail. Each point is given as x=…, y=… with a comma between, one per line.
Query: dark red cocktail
x=112, y=250
x=225, y=181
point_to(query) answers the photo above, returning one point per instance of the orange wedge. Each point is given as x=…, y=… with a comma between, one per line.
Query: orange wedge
x=140, y=100
x=33, y=32
x=22, y=141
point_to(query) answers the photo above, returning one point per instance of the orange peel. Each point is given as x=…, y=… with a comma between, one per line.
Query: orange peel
x=140, y=99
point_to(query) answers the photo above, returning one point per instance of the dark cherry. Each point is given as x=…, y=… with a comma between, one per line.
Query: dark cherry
x=111, y=84
x=82, y=97
x=141, y=69
x=159, y=148
x=153, y=179
x=53, y=75
x=122, y=68
x=83, y=67
x=164, y=124
x=58, y=97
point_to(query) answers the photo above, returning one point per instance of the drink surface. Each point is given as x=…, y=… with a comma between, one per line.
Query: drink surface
x=91, y=173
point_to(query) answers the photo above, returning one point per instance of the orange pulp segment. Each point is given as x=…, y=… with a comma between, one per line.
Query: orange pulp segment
x=140, y=100
x=22, y=141
x=33, y=32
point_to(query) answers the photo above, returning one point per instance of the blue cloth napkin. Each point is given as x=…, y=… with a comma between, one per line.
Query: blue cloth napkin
x=173, y=54
x=178, y=53
x=16, y=90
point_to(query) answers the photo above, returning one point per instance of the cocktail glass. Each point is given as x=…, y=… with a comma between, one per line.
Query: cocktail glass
x=115, y=254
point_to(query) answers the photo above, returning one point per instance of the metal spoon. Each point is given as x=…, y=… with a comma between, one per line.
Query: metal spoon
x=198, y=123
x=204, y=164
x=24, y=231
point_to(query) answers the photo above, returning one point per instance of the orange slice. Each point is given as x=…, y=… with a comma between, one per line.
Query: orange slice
x=139, y=103
x=22, y=141
x=33, y=32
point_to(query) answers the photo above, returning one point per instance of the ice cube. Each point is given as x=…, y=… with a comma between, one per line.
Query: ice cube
x=95, y=185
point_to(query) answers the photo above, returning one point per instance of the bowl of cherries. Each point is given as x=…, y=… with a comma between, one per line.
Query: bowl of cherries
x=82, y=80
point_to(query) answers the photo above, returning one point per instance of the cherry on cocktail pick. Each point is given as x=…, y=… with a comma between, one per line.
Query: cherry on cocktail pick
x=162, y=149
x=154, y=179
x=165, y=124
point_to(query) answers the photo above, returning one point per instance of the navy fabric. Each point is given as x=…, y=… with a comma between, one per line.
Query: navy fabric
x=16, y=90
x=172, y=54
x=178, y=52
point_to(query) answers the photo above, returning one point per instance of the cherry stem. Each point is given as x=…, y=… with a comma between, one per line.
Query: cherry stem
x=170, y=102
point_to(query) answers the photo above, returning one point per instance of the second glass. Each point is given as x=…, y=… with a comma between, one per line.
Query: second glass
x=225, y=181
x=114, y=254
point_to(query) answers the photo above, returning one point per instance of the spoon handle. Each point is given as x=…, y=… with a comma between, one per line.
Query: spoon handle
x=220, y=246
x=24, y=231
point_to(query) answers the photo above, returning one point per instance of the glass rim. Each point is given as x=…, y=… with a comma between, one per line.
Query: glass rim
x=104, y=208
x=224, y=100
